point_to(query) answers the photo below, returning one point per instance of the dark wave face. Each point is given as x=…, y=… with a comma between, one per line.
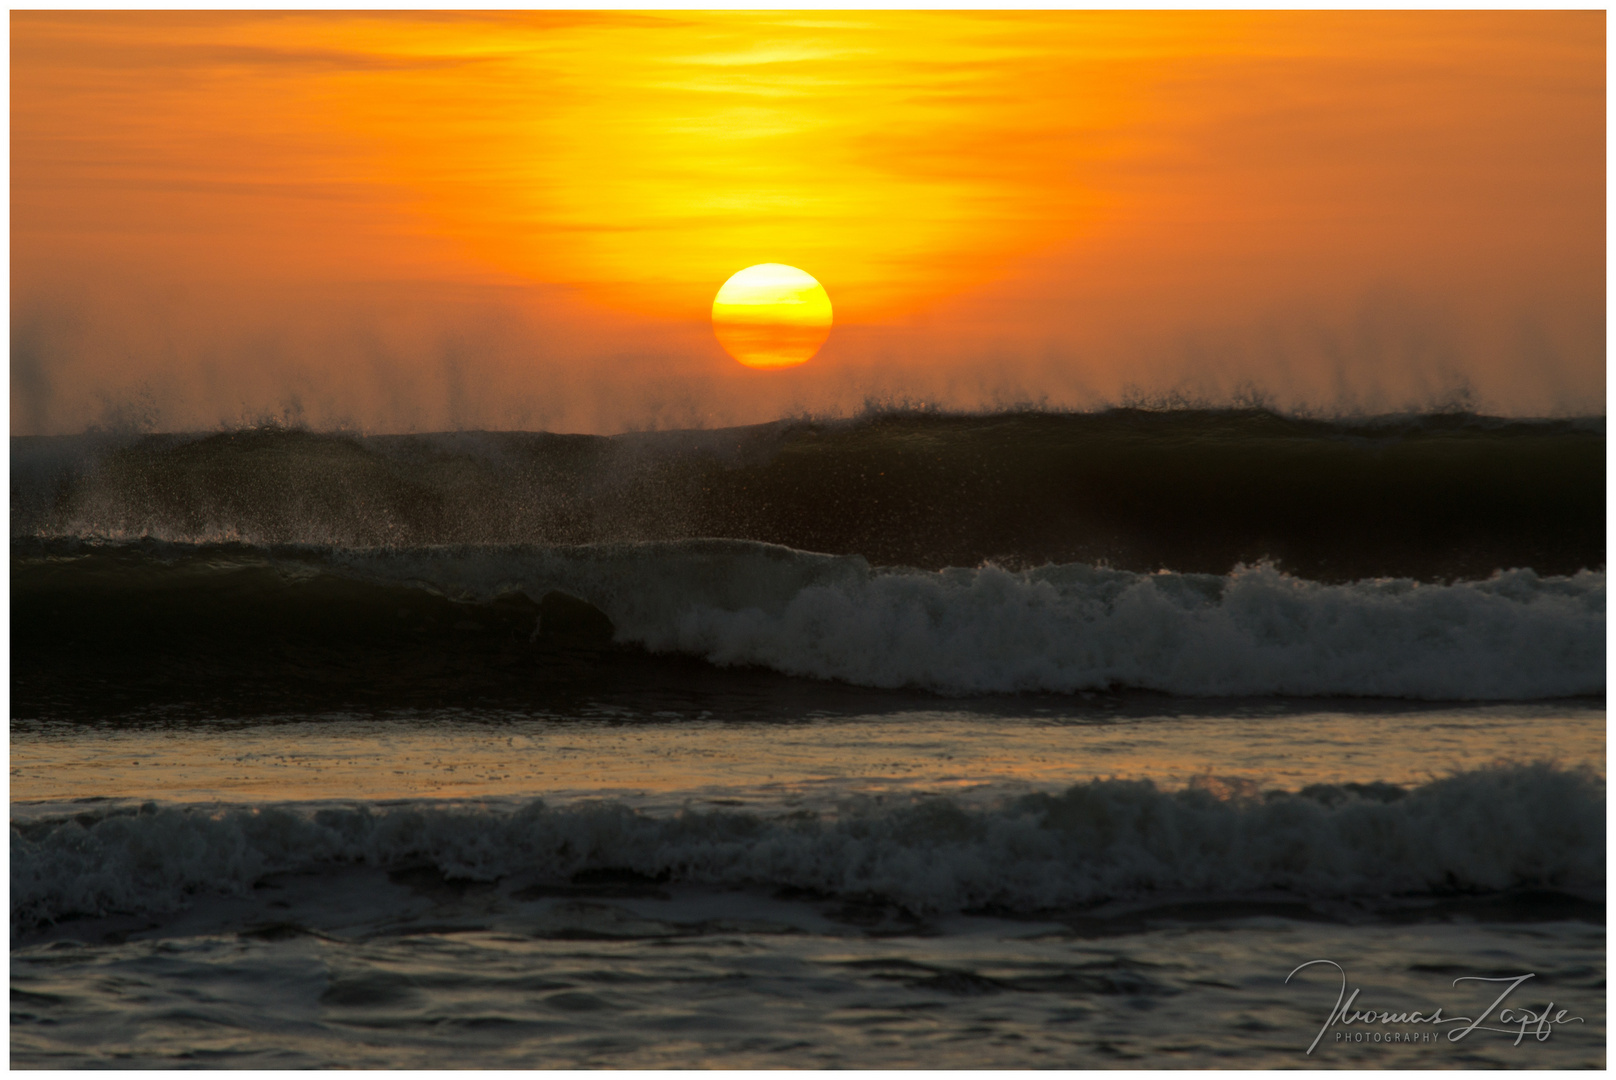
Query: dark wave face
x=991, y=555
x=98, y=625
x=1431, y=498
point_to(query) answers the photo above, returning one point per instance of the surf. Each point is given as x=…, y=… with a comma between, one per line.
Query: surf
x=1194, y=491
x=1092, y=842
x=369, y=616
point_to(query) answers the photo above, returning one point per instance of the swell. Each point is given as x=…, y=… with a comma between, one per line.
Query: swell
x=93, y=618
x=1487, y=830
x=1433, y=497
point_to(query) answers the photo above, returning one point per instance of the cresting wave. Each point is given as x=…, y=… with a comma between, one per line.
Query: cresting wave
x=1428, y=497
x=1491, y=829
x=1256, y=631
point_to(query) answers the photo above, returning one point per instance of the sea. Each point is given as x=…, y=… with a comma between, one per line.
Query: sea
x=1183, y=738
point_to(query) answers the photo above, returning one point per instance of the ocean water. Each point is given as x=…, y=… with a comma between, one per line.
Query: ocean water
x=1020, y=740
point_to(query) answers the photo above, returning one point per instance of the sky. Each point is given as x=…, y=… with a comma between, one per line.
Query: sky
x=519, y=220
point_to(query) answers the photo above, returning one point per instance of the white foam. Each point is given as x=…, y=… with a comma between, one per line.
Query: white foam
x=1257, y=630
x=1484, y=830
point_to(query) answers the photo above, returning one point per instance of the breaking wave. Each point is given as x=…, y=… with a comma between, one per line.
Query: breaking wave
x=1492, y=829
x=1063, y=628
x=1428, y=497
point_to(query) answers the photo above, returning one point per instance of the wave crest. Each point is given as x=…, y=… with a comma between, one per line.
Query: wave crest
x=1257, y=631
x=1433, y=497
x=1489, y=829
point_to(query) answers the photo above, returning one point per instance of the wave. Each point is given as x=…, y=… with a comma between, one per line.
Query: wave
x=1432, y=497
x=375, y=616
x=1491, y=829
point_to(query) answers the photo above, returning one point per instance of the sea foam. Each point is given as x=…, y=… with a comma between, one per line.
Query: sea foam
x=1517, y=635
x=1489, y=829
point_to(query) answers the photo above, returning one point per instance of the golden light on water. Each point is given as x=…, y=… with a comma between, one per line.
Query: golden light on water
x=771, y=316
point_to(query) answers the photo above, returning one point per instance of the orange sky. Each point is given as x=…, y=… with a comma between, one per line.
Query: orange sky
x=420, y=221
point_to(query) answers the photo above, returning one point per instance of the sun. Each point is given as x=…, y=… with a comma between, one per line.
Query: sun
x=771, y=316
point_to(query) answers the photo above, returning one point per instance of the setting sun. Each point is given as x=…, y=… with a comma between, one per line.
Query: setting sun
x=771, y=316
